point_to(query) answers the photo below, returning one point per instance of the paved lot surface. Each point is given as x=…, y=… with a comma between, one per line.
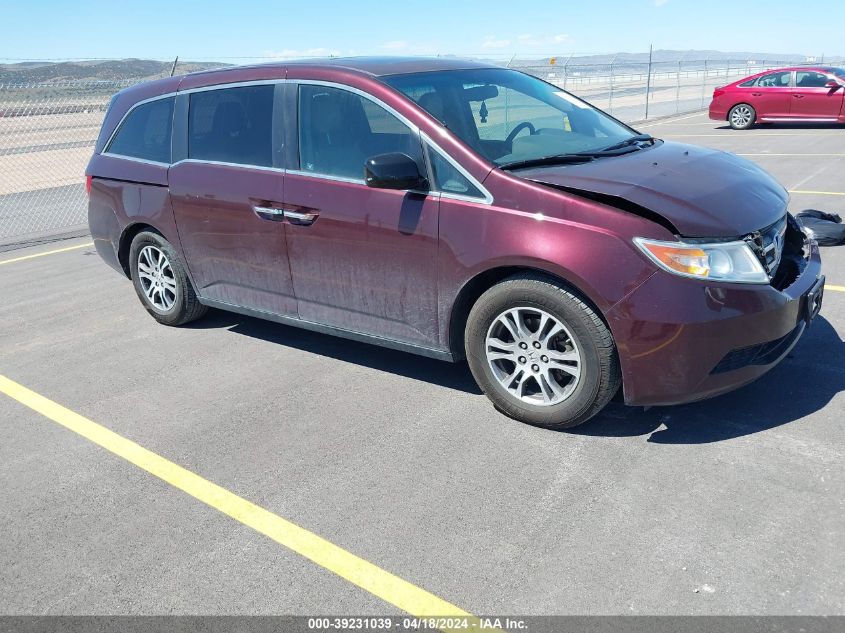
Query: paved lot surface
x=735, y=505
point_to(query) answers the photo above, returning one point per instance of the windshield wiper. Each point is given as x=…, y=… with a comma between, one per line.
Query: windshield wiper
x=557, y=159
x=637, y=138
x=617, y=149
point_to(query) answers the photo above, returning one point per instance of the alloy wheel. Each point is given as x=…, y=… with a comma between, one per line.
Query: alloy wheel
x=533, y=356
x=741, y=116
x=156, y=276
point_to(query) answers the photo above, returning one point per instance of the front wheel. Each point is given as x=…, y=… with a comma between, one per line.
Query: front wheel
x=541, y=353
x=161, y=281
x=742, y=116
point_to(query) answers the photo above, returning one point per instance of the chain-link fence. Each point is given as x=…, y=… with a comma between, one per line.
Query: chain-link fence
x=48, y=126
x=47, y=134
x=635, y=91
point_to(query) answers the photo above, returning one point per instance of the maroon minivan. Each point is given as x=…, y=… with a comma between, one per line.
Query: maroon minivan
x=456, y=210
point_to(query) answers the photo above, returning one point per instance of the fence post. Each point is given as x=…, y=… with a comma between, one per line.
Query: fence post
x=678, y=90
x=648, y=79
x=566, y=69
x=610, y=97
x=704, y=84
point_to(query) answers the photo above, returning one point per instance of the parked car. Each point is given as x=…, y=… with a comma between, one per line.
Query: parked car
x=810, y=94
x=455, y=210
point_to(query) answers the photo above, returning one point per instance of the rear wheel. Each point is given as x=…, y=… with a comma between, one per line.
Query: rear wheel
x=541, y=353
x=742, y=116
x=161, y=281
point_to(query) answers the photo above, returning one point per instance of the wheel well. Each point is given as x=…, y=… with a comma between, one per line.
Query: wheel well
x=739, y=103
x=482, y=282
x=126, y=242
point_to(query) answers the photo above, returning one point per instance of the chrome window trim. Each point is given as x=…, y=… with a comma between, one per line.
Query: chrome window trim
x=134, y=159
x=106, y=147
x=352, y=181
x=355, y=181
x=236, y=84
x=224, y=163
x=488, y=197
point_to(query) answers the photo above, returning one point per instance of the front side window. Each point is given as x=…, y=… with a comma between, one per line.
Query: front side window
x=810, y=79
x=232, y=125
x=507, y=116
x=145, y=133
x=339, y=130
x=775, y=80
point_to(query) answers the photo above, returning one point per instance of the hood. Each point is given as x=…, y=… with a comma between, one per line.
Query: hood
x=701, y=192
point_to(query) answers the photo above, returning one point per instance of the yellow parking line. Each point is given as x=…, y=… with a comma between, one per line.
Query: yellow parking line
x=58, y=250
x=817, y=193
x=836, y=288
x=371, y=578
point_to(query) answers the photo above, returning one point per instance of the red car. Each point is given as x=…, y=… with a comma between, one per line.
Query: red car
x=811, y=94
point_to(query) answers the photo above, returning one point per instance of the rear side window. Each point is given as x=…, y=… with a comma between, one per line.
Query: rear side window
x=232, y=125
x=145, y=133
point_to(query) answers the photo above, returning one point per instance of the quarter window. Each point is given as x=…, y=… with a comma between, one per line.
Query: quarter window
x=448, y=179
x=775, y=80
x=146, y=132
x=232, y=125
x=809, y=79
x=339, y=130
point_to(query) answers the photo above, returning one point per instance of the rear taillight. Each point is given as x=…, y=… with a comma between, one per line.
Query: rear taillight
x=88, y=185
x=718, y=92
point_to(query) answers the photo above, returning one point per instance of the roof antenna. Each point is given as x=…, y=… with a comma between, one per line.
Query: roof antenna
x=173, y=67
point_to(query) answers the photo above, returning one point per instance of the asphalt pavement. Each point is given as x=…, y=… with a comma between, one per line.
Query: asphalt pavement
x=734, y=505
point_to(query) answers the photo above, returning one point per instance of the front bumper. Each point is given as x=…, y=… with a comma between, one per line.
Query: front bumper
x=682, y=340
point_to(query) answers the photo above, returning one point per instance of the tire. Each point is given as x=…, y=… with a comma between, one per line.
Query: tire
x=573, y=400
x=158, y=272
x=742, y=116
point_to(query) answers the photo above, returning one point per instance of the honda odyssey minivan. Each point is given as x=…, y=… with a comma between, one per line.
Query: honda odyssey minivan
x=456, y=210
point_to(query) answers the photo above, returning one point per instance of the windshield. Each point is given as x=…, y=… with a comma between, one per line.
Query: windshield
x=510, y=117
x=839, y=72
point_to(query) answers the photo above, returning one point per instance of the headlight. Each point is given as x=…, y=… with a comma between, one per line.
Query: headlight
x=719, y=261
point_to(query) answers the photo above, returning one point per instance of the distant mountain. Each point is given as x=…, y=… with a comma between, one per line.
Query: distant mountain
x=51, y=73
x=108, y=70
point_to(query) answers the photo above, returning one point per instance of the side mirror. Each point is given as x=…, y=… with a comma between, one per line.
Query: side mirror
x=833, y=84
x=393, y=171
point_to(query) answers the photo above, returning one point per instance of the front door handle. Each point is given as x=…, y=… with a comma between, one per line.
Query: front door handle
x=798, y=96
x=302, y=218
x=274, y=214
x=756, y=94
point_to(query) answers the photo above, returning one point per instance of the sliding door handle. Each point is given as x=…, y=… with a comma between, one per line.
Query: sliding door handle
x=303, y=218
x=273, y=214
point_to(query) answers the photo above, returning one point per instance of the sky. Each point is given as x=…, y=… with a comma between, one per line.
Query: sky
x=212, y=30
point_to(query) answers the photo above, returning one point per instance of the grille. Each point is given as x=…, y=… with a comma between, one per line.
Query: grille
x=761, y=354
x=767, y=244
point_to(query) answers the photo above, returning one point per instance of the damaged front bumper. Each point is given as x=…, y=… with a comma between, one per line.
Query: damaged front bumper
x=682, y=340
